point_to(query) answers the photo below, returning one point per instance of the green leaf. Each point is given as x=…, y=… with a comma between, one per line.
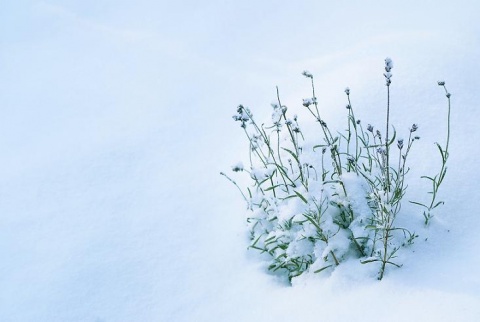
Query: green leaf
x=300, y=196
x=273, y=187
x=321, y=269
x=292, y=154
x=313, y=222
x=268, y=239
x=258, y=248
x=438, y=204
x=393, y=138
x=319, y=146
x=429, y=178
x=442, y=153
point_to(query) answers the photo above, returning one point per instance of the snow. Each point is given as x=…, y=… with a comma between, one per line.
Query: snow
x=116, y=121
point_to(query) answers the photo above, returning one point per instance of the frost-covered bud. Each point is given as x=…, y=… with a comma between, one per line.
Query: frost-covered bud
x=400, y=144
x=388, y=68
x=380, y=151
x=237, y=167
x=347, y=91
x=448, y=95
x=348, y=106
x=379, y=134
x=295, y=117
x=324, y=150
x=243, y=115
x=358, y=122
x=323, y=123
x=441, y=83
x=370, y=128
x=307, y=74
x=288, y=122
x=414, y=128
x=388, y=77
x=307, y=102
x=284, y=109
x=351, y=160
x=416, y=138
x=388, y=64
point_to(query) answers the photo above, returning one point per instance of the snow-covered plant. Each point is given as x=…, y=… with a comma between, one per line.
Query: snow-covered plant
x=438, y=178
x=313, y=206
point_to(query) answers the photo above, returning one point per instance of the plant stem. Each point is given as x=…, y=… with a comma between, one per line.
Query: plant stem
x=387, y=148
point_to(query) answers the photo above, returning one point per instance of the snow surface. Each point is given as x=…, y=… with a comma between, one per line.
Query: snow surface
x=116, y=121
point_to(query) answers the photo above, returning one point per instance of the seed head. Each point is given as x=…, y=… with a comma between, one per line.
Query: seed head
x=388, y=78
x=347, y=91
x=307, y=74
x=309, y=101
x=441, y=83
x=388, y=68
x=243, y=115
x=388, y=64
x=370, y=128
x=400, y=144
x=237, y=167
x=380, y=151
x=414, y=128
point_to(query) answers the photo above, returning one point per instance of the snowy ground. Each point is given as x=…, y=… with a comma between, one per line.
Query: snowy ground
x=115, y=120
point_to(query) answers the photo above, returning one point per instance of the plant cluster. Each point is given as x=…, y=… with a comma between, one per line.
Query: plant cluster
x=313, y=206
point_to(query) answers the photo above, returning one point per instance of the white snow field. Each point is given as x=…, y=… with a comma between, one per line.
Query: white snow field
x=115, y=121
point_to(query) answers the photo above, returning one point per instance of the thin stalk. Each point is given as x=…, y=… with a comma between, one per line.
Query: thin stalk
x=354, y=126
x=293, y=138
x=270, y=150
x=236, y=185
x=441, y=175
x=387, y=148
